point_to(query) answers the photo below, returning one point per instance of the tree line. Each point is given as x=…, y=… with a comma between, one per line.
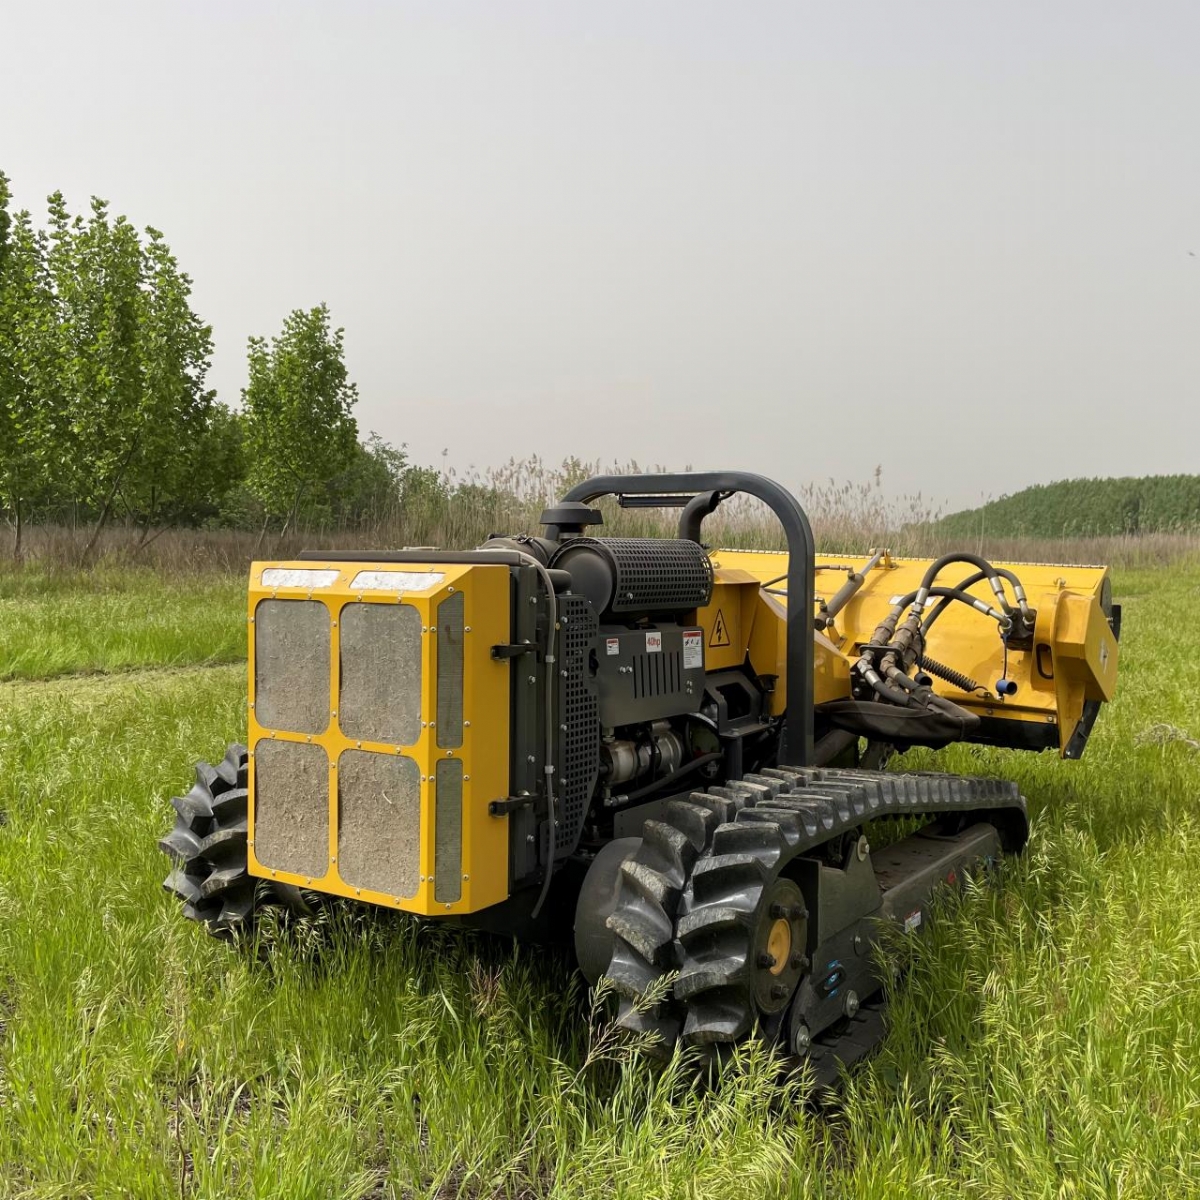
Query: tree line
x=1085, y=508
x=106, y=413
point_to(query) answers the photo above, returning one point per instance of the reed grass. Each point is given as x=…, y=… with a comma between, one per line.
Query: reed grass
x=463, y=510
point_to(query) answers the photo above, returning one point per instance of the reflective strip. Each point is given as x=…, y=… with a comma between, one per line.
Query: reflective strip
x=395, y=581
x=298, y=577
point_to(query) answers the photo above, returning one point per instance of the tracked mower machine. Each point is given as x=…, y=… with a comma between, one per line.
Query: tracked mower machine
x=680, y=747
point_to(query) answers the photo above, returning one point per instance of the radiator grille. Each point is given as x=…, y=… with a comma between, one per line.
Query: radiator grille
x=447, y=830
x=291, y=807
x=450, y=671
x=380, y=664
x=379, y=822
x=291, y=665
x=579, y=747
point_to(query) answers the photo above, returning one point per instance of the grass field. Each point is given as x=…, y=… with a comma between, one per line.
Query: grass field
x=116, y=620
x=1044, y=1042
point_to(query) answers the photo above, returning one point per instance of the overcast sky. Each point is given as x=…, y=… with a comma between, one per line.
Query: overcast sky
x=951, y=239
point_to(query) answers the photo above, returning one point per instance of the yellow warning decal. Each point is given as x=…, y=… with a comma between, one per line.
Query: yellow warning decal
x=720, y=633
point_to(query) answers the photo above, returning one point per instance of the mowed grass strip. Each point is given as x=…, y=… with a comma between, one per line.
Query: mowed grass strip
x=1042, y=1042
x=113, y=620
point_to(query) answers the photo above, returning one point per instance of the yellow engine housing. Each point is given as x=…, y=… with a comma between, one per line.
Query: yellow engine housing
x=356, y=788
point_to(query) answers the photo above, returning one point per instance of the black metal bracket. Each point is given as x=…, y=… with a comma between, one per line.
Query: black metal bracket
x=501, y=808
x=504, y=652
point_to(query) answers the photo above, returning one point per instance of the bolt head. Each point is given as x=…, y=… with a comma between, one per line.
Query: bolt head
x=801, y=1039
x=766, y=959
x=851, y=1004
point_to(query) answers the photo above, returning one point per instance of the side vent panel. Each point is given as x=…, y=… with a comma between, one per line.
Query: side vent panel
x=291, y=807
x=578, y=759
x=379, y=822
x=448, y=830
x=450, y=672
x=291, y=665
x=380, y=653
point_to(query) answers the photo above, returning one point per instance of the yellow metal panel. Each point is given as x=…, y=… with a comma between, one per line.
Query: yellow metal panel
x=962, y=638
x=485, y=743
x=1085, y=645
x=725, y=637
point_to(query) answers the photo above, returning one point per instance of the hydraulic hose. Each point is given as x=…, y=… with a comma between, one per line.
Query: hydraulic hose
x=970, y=581
x=950, y=593
x=975, y=560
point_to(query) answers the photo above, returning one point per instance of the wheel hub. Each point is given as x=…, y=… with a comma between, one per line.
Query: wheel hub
x=779, y=941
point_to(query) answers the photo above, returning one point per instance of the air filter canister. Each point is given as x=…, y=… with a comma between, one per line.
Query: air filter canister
x=637, y=575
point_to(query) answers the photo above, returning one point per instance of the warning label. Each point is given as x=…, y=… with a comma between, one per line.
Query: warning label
x=720, y=633
x=612, y=645
x=693, y=649
x=653, y=642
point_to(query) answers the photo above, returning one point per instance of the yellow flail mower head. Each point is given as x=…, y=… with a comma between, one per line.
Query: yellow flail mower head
x=679, y=747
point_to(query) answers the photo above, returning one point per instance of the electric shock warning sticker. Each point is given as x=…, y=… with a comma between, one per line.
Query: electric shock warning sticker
x=693, y=649
x=720, y=633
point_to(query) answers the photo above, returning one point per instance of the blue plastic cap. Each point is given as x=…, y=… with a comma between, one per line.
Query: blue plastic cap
x=1006, y=687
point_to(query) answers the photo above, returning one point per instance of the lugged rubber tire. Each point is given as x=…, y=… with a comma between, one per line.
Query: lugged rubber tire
x=209, y=848
x=643, y=922
x=716, y=934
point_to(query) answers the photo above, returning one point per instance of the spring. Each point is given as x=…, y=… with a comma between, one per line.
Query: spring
x=964, y=683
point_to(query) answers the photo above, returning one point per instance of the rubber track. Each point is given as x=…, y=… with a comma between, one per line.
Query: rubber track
x=208, y=845
x=686, y=898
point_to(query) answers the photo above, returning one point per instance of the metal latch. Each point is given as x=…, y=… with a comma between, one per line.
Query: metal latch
x=501, y=808
x=503, y=652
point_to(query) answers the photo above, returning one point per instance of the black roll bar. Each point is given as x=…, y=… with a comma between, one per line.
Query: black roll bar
x=796, y=740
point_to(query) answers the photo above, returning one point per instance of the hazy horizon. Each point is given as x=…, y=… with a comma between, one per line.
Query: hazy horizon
x=961, y=243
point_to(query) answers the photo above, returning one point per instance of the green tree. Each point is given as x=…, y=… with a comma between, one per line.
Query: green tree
x=368, y=490
x=27, y=382
x=172, y=467
x=5, y=218
x=300, y=432
x=129, y=406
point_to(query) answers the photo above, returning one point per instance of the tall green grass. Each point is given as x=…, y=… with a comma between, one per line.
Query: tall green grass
x=1043, y=1042
x=54, y=623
